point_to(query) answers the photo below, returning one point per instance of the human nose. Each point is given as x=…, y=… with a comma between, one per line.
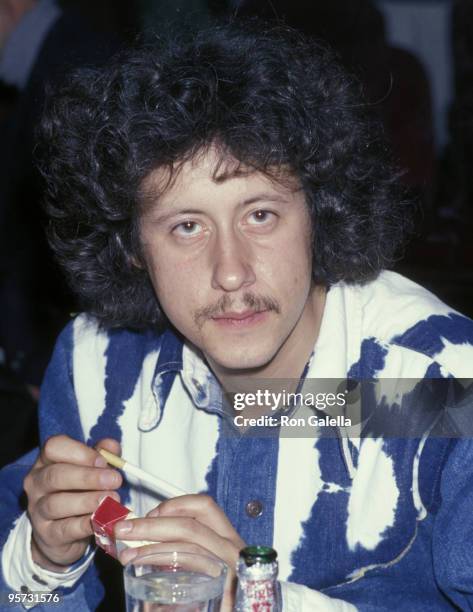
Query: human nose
x=231, y=264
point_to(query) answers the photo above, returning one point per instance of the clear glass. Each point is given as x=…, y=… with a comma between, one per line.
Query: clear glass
x=178, y=581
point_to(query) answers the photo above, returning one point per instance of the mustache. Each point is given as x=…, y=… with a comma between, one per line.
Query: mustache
x=225, y=303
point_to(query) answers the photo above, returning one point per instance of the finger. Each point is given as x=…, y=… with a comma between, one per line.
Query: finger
x=68, y=530
x=62, y=449
x=67, y=477
x=64, y=504
x=179, y=529
x=200, y=507
x=111, y=445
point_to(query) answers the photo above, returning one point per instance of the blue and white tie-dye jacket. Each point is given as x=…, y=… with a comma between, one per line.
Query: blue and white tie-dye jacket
x=383, y=525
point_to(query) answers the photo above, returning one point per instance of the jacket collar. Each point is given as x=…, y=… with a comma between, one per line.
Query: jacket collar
x=177, y=358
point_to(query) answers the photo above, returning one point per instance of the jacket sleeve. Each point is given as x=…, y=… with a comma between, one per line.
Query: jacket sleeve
x=58, y=414
x=453, y=532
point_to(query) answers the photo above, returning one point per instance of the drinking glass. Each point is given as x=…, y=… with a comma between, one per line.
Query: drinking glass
x=174, y=581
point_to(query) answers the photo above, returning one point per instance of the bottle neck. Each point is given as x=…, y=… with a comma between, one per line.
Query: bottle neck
x=257, y=571
x=258, y=588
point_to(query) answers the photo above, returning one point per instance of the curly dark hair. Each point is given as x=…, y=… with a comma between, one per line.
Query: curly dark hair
x=271, y=97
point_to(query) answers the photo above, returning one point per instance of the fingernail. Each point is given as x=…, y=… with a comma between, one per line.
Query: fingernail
x=128, y=555
x=100, y=462
x=123, y=528
x=109, y=478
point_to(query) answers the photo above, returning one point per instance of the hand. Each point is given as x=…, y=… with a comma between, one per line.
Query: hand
x=191, y=523
x=64, y=487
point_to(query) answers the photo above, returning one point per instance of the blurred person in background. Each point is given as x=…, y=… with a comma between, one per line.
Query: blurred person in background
x=40, y=43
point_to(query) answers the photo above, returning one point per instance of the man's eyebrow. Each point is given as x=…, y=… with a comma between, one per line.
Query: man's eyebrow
x=264, y=197
x=165, y=216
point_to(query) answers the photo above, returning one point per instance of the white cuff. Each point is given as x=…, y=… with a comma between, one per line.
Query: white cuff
x=22, y=574
x=299, y=598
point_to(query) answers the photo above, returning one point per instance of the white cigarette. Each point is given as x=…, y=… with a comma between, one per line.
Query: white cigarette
x=163, y=488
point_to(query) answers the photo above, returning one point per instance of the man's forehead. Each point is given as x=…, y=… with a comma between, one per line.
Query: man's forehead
x=215, y=166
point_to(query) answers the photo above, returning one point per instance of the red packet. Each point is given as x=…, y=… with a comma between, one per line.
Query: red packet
x=103, y=521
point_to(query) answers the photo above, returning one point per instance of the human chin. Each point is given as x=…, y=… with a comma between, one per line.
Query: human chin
x=238, y=351
x=241, y=357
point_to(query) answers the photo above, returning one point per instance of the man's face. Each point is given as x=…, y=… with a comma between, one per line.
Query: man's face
x=230, y=262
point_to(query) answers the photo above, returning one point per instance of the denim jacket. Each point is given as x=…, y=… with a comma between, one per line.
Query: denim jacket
x=380, y=524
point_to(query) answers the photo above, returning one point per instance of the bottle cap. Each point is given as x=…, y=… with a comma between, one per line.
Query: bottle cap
x=258, y=554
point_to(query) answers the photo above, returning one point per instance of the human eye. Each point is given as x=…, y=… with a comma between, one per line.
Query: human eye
x=261, y=217
x=187, y=229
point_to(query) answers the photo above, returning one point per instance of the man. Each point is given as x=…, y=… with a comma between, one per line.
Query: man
x=227, y=189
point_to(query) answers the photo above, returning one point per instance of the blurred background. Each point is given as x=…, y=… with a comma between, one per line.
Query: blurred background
x=414, y=57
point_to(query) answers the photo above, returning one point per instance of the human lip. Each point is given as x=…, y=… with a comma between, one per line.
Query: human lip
x=240, y=319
